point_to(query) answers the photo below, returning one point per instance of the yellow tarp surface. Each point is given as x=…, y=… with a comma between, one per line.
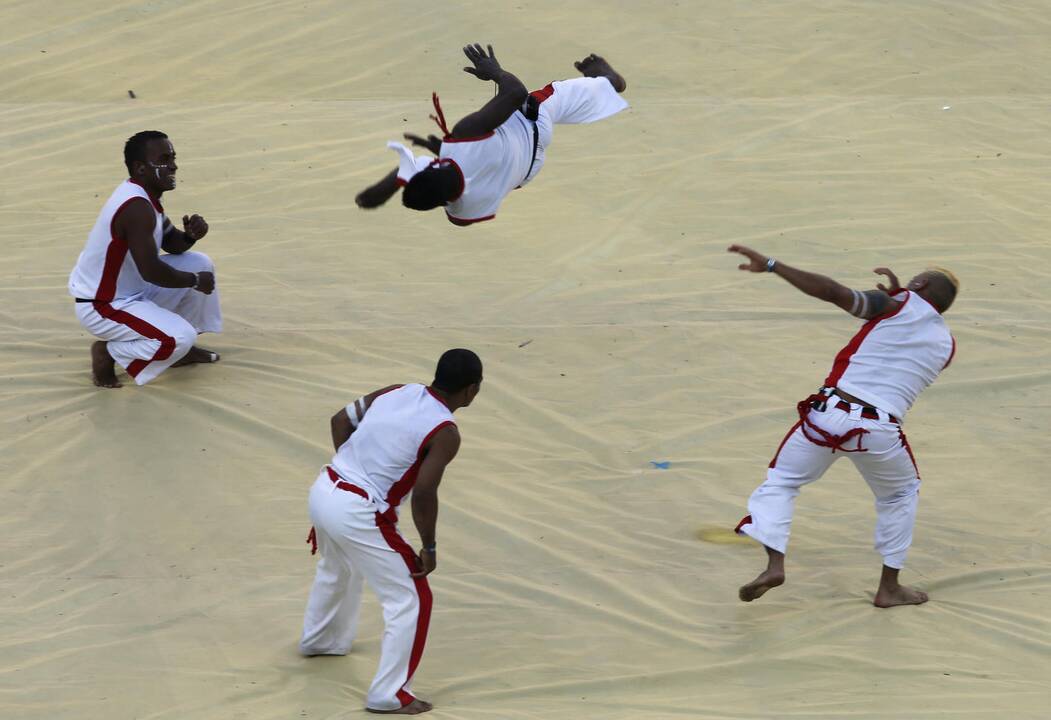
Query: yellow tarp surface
x=152, y=562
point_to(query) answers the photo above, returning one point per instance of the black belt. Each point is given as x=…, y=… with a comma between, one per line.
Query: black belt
x=867, y=411
x=531, y=111
x=536, y=144
x=91, y=300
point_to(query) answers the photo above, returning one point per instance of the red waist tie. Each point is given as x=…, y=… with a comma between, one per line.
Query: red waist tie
x=826, y=439
x=342, y=485
x=439, y=119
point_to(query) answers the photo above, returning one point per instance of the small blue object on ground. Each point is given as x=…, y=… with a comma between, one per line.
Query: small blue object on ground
x=662, y=465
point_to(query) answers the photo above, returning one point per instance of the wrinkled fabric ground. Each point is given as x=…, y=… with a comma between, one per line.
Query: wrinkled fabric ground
x=153, y=563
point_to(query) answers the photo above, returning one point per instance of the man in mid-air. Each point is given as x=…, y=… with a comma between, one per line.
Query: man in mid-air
x=902, y=347
x=500, y=147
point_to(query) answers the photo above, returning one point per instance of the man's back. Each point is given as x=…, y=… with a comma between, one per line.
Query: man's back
x=384, y=453
x=895, y=356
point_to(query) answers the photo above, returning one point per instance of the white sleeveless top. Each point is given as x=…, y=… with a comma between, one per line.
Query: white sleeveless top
x=383, y=455
x=491, y=166
x=894, y=357
x=105, y=270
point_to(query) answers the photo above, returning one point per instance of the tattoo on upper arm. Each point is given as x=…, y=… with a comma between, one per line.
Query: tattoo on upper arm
x=869, y=304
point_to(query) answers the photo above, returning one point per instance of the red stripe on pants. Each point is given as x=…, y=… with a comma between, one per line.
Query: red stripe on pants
x=423, y=621
x=142, y=328
x=908, y=449
x=773, y=463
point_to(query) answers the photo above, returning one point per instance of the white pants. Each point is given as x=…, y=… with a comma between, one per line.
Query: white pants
x=572, y=102
x=886, y=464
x=147, y=333
x=358, y=544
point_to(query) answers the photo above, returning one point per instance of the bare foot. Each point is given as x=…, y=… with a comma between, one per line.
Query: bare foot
x=103, y=369
x=594, y=66
x=766, y=580
x=197, y=355
x=899, y=595
x=416, y=707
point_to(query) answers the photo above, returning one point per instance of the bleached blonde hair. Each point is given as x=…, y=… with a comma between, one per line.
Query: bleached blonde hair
x=949, y=275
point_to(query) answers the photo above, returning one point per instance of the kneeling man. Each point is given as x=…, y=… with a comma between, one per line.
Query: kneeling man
x=146, y=308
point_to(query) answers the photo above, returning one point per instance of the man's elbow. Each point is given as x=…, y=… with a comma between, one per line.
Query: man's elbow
x=519, y=95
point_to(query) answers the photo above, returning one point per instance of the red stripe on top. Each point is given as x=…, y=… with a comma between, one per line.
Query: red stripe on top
x=842, y=361
x=167, y=346
x=474, y=138
x=153, y=201
x=463, y=182
x=544, y=93
x=405, y=484
x=462, y=222
x=951, y=354
x=115, y=254
x=437, y=397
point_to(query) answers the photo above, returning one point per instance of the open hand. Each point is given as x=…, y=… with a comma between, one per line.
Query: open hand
x=895, y=287
x=485, y=67
x=431, y=142
x=194, y=226
x=756, y=261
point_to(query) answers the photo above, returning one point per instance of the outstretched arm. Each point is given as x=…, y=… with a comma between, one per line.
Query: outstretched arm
x=511, y=93
x=863, y=304
x=375, y=195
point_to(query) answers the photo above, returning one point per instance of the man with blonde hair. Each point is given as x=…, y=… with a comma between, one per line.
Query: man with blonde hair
x=902, y=347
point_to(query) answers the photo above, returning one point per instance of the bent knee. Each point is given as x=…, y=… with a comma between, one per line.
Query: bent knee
x=184, y=339
x=197, y=262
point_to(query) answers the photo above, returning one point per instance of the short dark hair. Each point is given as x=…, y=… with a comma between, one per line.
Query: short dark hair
x=135, y=147
x=426, y=190
x=457, y=368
